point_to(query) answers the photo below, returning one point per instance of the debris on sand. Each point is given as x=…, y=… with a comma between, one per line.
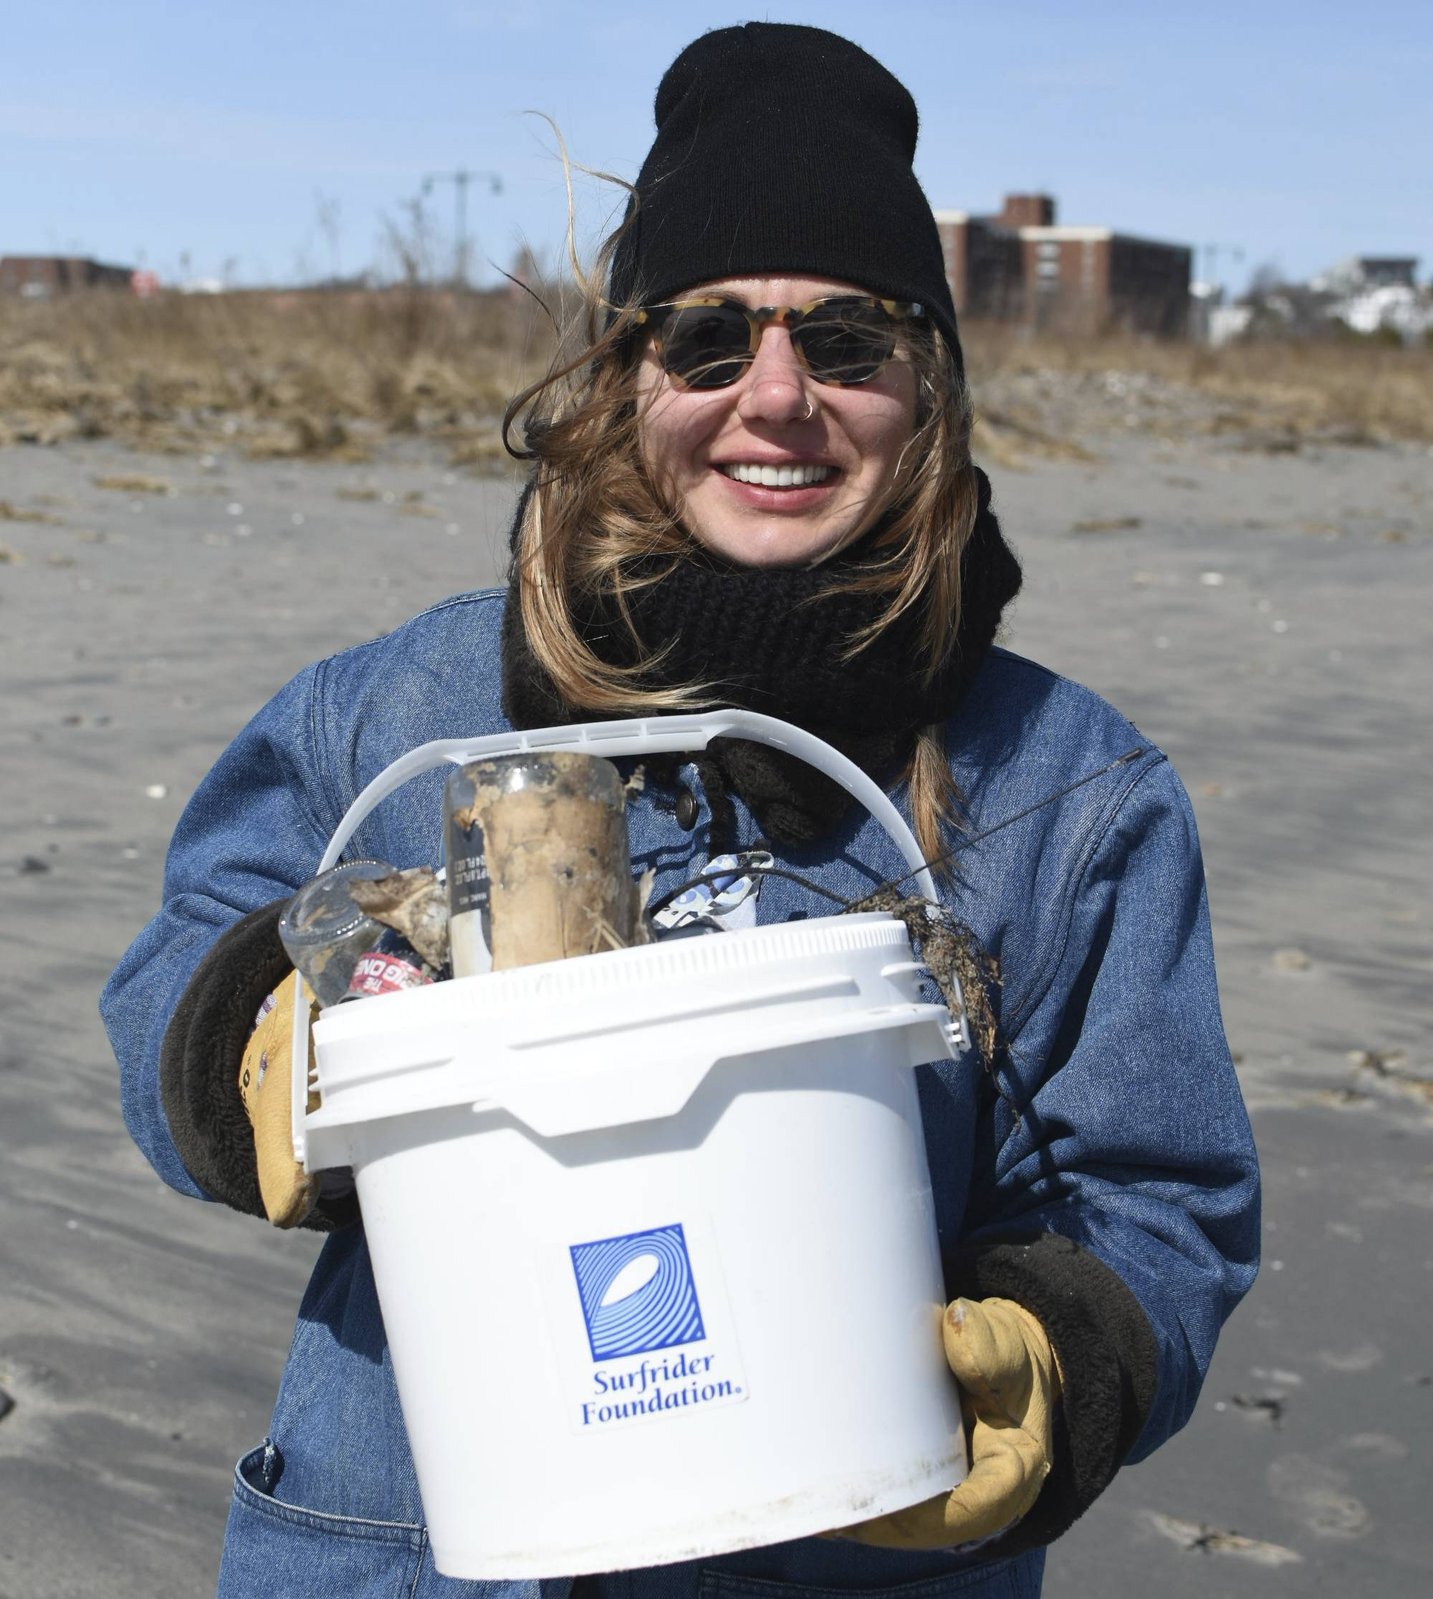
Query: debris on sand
x=1269, y=1406
x=1199, y=1537
x=1390, y=1069
x=135, y=483
x=1011, y=437
x=21, y=513
x=1291, y=960
x=1106, y=524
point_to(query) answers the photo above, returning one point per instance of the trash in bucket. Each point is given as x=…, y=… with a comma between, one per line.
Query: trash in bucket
x=656, y=1221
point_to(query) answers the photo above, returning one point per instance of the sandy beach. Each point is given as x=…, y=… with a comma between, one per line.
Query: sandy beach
x=1261, y=613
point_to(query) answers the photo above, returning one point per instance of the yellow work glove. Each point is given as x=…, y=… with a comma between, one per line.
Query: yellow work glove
x=288, y=1191
x=1009, y=1387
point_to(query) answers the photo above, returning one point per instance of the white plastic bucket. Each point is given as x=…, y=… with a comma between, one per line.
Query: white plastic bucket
x=653, y=1237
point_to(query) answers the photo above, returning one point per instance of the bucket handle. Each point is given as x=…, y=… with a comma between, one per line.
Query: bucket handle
x=654, y=735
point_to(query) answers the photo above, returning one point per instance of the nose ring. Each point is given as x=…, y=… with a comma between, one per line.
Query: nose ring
x=810, y=410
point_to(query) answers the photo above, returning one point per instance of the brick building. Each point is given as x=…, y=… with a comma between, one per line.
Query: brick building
x=42, y=276
x=1021, y=266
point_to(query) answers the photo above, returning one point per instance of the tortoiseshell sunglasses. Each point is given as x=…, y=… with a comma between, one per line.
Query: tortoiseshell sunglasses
x=708, y=342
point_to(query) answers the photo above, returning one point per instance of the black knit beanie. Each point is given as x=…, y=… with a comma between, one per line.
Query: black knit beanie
x=782, y=149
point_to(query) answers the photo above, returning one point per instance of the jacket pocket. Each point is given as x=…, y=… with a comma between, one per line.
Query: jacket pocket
x=1000, y=1579
x=284, y=1551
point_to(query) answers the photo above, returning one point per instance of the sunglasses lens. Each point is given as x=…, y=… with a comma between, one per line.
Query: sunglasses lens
x=845, y=341
x=706, y=346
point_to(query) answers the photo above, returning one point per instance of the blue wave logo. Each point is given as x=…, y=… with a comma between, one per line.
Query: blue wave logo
x=637, y=1292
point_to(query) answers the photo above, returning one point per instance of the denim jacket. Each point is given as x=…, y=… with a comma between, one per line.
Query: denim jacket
x=1111, y=1122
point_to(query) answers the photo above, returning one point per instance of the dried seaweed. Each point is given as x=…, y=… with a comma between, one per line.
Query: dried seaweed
x=963, y=971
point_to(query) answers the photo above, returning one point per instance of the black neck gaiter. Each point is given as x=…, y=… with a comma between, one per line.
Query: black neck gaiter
x=772, y=641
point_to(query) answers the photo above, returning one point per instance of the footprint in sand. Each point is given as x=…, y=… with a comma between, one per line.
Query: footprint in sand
x=1380, y=1447
x=1317, y=1495
x=1362, y=1357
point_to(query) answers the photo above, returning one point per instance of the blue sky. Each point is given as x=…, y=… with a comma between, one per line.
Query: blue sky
x=270, y=140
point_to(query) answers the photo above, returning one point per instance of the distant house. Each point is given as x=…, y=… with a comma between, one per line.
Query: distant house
x=1377, y=294
x=1362, y=272
x=1388, y=271
x=1021, y=266
x=40, y=277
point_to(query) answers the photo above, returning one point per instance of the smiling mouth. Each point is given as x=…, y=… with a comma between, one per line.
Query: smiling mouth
x=775, y=477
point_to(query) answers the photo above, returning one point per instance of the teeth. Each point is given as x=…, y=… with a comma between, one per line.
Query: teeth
x=777, y=477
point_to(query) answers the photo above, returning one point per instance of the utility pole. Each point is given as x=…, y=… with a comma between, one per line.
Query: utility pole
x=1211, y=255
x=460, y=179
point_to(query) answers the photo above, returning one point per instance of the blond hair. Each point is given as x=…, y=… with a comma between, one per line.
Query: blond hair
x=596, y=529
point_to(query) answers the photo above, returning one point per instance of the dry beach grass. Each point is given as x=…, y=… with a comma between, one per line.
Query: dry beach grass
x=333, y=373
x=284, y=374
x=1280, y=393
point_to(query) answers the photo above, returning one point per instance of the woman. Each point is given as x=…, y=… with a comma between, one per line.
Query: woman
x=755, y=486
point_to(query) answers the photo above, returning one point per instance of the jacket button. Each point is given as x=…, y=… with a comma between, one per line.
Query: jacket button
x=687, y=809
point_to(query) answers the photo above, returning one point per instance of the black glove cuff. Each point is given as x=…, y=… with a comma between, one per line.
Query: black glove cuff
x=201, y=1056
x=1108, y=1368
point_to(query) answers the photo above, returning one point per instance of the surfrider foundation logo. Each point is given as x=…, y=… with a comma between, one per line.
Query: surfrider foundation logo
x=637, y=1292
